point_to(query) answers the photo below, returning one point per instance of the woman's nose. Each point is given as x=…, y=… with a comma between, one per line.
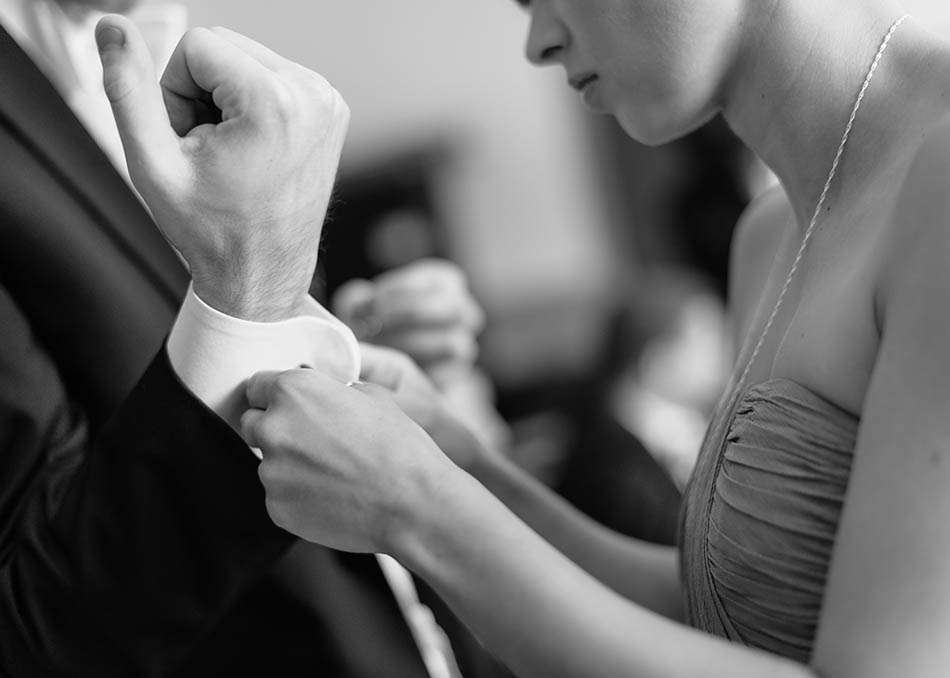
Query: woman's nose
x=547, y=37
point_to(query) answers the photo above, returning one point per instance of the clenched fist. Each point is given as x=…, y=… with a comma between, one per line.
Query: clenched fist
x=235, y=153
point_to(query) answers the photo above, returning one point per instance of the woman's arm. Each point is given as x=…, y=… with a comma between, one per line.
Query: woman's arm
x=346, y=468
x=541, y=613
x=646, y=573
x=887, y=605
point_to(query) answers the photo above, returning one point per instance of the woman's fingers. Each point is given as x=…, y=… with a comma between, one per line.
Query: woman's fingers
x=265, y=389
x=260, y=389
x=266, y=56
x=250, y=427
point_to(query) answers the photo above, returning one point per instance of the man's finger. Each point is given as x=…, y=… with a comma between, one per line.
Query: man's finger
x=207, y=68
x=128, y=76
x=266, y=56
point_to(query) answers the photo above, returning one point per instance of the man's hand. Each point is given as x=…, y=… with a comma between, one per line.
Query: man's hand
x=235, y=154
x=424, y=309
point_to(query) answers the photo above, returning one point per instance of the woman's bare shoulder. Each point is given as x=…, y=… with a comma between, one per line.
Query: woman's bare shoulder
x=754, y=245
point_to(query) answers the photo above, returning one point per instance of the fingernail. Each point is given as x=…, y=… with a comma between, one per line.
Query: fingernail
x=110, y=37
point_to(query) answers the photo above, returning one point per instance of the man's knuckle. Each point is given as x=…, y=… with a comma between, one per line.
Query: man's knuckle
x=343, y=113
x=195, y=38
x=281, y=101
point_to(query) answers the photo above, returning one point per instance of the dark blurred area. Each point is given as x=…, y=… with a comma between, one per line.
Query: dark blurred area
x=382, y=217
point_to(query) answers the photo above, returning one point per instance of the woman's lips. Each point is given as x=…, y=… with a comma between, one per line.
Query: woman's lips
x=581, y=82
x=587, y=86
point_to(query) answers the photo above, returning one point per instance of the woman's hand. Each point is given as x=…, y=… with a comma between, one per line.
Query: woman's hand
x=343, y=466
x=417, y=396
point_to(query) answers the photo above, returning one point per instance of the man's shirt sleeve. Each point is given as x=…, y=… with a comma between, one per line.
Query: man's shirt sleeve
x=214, y=354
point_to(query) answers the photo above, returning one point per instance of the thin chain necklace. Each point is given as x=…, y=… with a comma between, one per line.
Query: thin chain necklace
x=821, y=203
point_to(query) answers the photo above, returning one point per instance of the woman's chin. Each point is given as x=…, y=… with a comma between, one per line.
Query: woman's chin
x=642, y=131
x=657, y=128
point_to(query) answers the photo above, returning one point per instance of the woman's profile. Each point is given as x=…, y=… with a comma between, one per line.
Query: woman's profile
x=816, y=529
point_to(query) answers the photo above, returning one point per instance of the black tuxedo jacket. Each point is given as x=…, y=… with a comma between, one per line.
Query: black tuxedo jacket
x=133, y=535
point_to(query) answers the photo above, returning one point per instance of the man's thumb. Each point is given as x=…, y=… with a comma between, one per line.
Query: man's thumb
x=128, y=76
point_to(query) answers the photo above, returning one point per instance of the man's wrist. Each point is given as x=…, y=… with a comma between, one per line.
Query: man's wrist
x=248, y=301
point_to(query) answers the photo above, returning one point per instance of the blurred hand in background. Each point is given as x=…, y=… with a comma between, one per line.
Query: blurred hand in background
x=424, y=309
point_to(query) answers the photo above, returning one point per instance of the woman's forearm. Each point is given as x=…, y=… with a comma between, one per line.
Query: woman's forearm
x=541, y=613
x=647, y=574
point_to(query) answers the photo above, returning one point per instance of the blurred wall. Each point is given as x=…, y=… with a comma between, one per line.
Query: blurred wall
x=934, y=12
x=527, y=211
x=519, y=192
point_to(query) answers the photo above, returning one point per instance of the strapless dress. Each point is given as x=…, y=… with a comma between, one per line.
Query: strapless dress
x=760, y=516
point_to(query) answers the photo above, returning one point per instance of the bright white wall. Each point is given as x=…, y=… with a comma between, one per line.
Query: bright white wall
x=524, y=210
x=935, y=12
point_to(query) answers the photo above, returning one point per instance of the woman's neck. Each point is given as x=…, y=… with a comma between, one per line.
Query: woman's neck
x=796, y=80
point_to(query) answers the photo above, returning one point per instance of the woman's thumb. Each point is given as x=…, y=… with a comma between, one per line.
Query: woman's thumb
x=131, y=84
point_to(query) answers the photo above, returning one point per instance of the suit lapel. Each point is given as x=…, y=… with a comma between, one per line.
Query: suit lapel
x=33, y=110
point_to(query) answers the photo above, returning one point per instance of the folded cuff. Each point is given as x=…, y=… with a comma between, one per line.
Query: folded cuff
x=214, y=354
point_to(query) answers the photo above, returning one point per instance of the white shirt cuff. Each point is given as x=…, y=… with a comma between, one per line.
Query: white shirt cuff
x=214, y=354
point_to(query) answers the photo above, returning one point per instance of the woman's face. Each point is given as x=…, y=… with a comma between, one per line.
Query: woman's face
x=658, y=66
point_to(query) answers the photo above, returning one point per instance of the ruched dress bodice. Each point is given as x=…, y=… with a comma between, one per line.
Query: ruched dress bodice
x=761, y=514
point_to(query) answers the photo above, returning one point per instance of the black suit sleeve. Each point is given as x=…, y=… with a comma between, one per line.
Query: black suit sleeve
x=118, y=552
